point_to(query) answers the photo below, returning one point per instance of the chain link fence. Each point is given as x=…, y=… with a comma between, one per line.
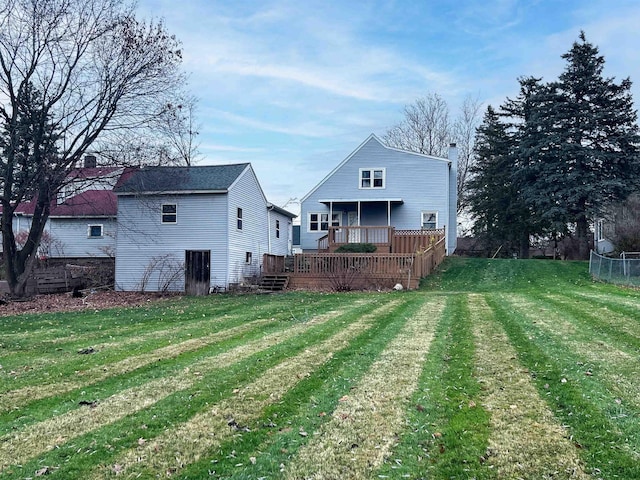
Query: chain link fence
x=622, y=271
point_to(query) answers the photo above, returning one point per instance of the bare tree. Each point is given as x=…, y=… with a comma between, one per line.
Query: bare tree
x=425, y=128
x=74, y=74
x=169, y=139
x=464, y=135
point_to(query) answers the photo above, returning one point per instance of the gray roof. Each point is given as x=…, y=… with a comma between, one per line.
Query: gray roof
x=206, y=178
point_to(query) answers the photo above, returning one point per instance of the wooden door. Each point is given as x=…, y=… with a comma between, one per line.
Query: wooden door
x=197, y=275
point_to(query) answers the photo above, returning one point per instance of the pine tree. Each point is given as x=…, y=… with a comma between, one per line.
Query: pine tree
x=579, y=145
x=501, y=217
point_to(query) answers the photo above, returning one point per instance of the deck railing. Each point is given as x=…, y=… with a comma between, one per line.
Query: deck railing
x=387, y=239
x=366, y=270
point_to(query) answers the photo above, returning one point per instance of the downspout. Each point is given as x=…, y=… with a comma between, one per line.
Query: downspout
x=269, y=210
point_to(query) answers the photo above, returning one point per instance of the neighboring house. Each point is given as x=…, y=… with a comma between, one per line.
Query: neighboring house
x=82, y=219
x=381, y=186
x=195, y=229
x=619, y=228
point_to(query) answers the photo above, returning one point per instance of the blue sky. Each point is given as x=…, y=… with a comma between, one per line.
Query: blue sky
x=293, y=86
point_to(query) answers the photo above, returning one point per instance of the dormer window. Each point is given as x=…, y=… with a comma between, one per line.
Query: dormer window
x=372, y=178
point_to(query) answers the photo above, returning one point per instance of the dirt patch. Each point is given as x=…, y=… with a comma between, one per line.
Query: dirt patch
x=65, y=302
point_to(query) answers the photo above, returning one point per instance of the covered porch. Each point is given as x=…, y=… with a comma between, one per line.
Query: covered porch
x=386, y=238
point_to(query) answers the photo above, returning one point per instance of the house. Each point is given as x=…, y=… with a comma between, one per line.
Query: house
x=379, y=186
x=618, y=229
x=82, y=219
x=195, y=229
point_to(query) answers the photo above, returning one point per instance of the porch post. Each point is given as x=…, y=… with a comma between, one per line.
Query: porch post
x=388, y=213
x=358, y=212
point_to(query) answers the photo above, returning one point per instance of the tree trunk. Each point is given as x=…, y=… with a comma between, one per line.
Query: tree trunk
x=525, y=245
x=582, y=236
x=19, y=263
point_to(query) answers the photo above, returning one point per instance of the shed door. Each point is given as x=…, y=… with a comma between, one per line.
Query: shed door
x=197, y=275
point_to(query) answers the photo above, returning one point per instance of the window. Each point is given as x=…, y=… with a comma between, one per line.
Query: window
x=372, y=177
x=600, y=230
x=277, y=228
x=239, y=220
x=169, y=213
x=248, y=257
x=319, y=222
x=94, y=231
x=429, y=220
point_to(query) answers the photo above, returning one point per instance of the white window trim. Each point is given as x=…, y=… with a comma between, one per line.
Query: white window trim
x=277, y=228
x=320, y=222
x=90, y=226
x=239, y=218
x=428, y=212
x=248, y=258
x=372, y=170
x=162, y=213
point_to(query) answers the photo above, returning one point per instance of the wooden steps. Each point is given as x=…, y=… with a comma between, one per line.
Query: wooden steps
x=274, y=282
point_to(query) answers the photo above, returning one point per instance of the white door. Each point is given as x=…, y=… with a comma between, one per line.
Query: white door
x=352, y=221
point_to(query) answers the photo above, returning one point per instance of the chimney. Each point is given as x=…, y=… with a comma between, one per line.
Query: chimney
x=90, y=161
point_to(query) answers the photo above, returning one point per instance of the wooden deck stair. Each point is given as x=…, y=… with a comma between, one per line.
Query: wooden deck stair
x=274, y=282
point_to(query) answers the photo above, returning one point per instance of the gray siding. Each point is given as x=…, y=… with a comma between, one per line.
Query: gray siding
x=201, y=225
x=71, y=239
x=281, y=245
x=421, y=182
x=246, y=193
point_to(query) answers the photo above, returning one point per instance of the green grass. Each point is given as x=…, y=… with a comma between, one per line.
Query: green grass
x=525, y=369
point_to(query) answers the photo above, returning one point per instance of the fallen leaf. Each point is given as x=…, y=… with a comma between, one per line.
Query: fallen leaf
x=141, y=441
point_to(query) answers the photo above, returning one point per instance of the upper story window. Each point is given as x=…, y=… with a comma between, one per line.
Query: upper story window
x=429, y=220
x=372, y=178
x=94, y=231
x=169, y=213
x=319, y=222
x=277, y=228
x=239, y=219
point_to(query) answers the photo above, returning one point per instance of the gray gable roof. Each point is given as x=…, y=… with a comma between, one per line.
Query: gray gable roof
x=206, y=178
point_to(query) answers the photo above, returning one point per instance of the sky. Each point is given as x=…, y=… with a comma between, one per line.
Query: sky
x=294, y=86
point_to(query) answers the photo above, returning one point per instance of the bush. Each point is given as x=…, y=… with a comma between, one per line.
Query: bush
x=357, y=248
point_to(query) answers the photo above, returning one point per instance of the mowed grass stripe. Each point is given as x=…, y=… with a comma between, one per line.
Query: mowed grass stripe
x=18, y=446
x=363, y=427
x=122, y=339
x=446, y=430
x=187, y=442
x=621, y=328
x=526, y=440
x=17, y=398
x=279, y=431
x=604, y=358
x=581, y=403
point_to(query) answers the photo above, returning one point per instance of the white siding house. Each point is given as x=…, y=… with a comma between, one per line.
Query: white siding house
x=82, y=219
x=193, y=228
x=381, y=186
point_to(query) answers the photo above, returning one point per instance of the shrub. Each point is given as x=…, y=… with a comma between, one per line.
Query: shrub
x=357, y=248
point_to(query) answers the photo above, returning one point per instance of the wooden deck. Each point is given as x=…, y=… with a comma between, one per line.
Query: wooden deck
x=356, y=271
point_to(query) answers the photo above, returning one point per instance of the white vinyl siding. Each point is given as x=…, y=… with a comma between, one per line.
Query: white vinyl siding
x=142, y=240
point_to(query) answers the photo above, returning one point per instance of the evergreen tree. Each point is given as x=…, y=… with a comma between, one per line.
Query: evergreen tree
x=579, y=145
x=501, y=217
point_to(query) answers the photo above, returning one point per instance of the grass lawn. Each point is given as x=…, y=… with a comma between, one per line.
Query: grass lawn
x=493, y=369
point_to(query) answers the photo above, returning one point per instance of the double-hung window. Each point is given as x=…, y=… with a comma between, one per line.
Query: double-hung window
x=239, y=219
x=372, y=178
x=429, y=220
x=319, y=222
x=169, y=213
x=277, y=228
